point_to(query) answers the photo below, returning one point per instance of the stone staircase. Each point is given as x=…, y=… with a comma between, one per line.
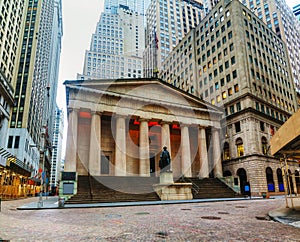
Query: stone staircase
x=133, y=189
x=209, y=188
x=114, y=189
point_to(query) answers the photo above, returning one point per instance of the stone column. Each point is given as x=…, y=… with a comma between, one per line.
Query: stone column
x=204, y=169
x=166, y=139
x=120, y=159
x=217, y=153
x=293, y=177
x=144, y=167
x=71, y=154
x=185, y=152
x=95, y=145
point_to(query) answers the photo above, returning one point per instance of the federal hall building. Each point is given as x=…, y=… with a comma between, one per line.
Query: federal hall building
x=118, y=128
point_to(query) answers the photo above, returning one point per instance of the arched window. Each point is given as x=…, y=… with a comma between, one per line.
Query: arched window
x=240, y=147
x=226, y=155
x=264, y=145
x=280, y=180
x=270, y=180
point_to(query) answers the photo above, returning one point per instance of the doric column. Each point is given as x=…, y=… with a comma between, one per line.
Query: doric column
x=71, y=154
x=95, y=145
x=217, y=153
x=293, y=178
x=166, y=139
x=185, y=152
x=144, y=168
x=204, y=169
x=120, y=159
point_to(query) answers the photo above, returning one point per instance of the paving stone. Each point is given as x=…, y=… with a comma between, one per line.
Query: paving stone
x=172, y=222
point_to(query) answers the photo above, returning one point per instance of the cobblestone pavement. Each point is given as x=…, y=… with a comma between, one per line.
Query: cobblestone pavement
x=218, y=221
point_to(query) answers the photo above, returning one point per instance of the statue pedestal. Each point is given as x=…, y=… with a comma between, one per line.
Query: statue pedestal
x=168, y=190
x=166, y=177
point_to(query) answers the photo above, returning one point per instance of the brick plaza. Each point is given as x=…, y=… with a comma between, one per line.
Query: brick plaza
x=217, y=221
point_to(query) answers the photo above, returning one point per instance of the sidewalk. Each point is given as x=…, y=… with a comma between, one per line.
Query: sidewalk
x=288, y=215
x=52, y=203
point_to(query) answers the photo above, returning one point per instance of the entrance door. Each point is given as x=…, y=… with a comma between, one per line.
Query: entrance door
x=152, y=165
x=243, y=179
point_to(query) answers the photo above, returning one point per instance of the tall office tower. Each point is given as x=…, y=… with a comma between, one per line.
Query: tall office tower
x=168, y=21
x=36, y=83
x=296, y=11
x=11, y=19
x=280, y=18
x=57, y=140
x=139, y=6
x=117, y=46
x=233, y=60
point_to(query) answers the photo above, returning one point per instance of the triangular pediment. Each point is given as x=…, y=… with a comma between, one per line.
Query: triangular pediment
x=151, y=90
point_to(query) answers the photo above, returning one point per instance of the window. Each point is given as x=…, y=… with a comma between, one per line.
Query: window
x=262, y=126
x=226, y=64
x=237, y=126
x=17, y=142
x=236, y=87
x=240, y=147
x=238, y=106
x=10, y=142
x=230, y=92
x=234, y=74
x=226, y=155
x=224, y=95
x=264, y=145
x=232, y=60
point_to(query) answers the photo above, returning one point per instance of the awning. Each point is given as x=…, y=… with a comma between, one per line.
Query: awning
x=286, y=140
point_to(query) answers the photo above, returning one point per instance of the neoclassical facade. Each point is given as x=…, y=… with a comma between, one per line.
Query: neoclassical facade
x=118, y=128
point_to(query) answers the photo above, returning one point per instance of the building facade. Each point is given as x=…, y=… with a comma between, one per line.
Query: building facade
x=118, y=129
x=280, y=18
x=36, y=85
x=58, y=133
x=117, y=45
x=11, y=22
x=233, y=60
x=139, y=6
x=168, y=21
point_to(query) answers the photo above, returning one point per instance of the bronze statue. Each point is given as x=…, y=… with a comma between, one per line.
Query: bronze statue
x=165, y=159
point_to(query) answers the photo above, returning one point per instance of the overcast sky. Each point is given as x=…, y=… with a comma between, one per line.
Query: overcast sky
x=80, y=18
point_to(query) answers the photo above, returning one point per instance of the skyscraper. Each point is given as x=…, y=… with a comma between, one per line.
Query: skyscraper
x=118, y=43
x=36, y=83
x=168, y=21
x=57, y=150
x=139, y=6
x=233, y=60
x=11, y=21
x=280, y=18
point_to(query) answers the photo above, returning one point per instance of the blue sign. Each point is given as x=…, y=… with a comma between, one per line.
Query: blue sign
x=43, y=175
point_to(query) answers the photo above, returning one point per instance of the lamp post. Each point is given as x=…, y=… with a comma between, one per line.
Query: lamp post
x=42, y=171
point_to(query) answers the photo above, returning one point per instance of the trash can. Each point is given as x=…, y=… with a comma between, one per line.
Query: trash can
x=61, y=202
